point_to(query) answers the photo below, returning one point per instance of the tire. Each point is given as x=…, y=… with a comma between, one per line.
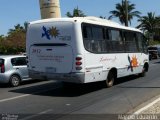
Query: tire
x=15, y=80
x=110, y=79
x=143, y=74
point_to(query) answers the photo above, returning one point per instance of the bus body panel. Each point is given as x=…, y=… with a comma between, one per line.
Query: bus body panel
x=51, y=59
x=51, y=51
x=98, y=65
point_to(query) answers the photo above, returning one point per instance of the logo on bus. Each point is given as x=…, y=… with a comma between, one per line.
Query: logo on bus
x=132, y=62
x=50, y=33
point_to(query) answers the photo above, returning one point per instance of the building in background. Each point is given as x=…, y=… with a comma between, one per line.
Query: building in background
x=50, y=9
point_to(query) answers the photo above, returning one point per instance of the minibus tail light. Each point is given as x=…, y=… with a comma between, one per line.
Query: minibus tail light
x=78, y=63
x=78, y=58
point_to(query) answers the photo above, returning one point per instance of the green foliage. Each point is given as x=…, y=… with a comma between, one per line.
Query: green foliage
x=76, y=13
x=150, y=25
x=154, y=42
x=14, y=42
x=1, y=37
x=120, y=12
x=102, y=17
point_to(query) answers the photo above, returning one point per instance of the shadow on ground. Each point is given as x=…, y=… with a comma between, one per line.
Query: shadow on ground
x=59, y=89
x=157, y=62
x=126, y=79
x=2, y=85
x=7, y=85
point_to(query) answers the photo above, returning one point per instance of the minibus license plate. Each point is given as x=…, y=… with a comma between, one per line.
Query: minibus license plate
x=50, y=70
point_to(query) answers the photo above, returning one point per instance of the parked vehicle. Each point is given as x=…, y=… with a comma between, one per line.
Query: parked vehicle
x=154, y=52
x=13, y=69
x=158, y=49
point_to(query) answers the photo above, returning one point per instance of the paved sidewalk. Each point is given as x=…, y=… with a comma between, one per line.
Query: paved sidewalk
x=148, y=111
x=151, y=106
x=155, y=109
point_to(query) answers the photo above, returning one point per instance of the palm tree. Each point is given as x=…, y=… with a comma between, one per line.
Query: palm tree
x=121, y=12
x=17, y=28
x=149, y=24
x=76, y=13
x=26, y=25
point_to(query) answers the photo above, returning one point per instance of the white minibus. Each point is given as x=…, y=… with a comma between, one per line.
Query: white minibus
x=84, y=49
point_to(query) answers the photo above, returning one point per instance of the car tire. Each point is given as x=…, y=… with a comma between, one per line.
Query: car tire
x=110, y=79
x=15, y=80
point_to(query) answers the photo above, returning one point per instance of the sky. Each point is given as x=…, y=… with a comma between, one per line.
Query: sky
x=15, y=12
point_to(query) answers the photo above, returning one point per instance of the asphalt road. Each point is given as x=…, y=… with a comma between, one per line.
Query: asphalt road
x=49, y=100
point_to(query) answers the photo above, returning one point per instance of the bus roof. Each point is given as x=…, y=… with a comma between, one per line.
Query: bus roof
x=90, y=19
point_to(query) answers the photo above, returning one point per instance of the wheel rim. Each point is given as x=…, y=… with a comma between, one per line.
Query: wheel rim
x=15, y=81
x=110, y=80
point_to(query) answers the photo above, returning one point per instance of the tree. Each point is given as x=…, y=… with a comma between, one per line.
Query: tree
x=102, y=17
x=120, y=12
x=26, y=26
x=1, y=37
x=15, y=40
x=76, y=13
x=17, y=28
x=150, y=24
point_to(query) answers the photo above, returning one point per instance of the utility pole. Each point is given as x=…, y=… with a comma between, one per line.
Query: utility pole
x=50, y=9
x=126, y=11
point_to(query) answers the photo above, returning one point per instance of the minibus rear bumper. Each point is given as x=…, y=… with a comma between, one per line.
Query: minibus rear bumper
x=65, y=77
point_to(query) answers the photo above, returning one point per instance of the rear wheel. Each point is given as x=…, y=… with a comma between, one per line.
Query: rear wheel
x=110, y=79
x=15, y=80
x=143, y=73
